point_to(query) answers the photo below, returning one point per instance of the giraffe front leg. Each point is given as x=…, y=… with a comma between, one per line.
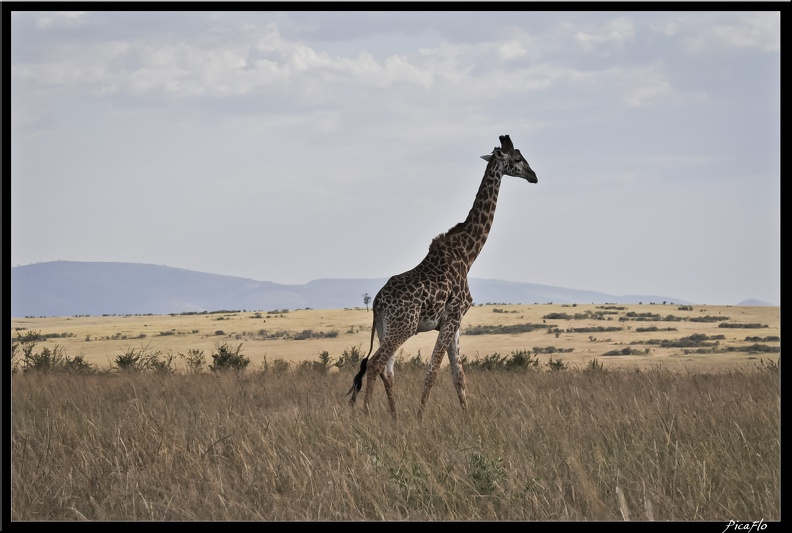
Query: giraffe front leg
x=457, y=372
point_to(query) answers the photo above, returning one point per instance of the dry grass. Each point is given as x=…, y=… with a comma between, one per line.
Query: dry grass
x=110, y=336
x=664, y=433
x=646, y=444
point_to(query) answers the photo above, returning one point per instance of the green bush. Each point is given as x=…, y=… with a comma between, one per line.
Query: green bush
x=486, y=474
x=322, y=365
x=557, y=316
x=194, y=360
x=755, y=348
x=696, y=340
x=143, y=360
x=350, y=358
x=521, y=360
x=56, y=360
x=311, y=334
x=24, y=358
x=709, y=318
x=503, y=329
x=594, y=366
x=131, y=360
x=36, y=336
x=623, y=351
x=325, y=359
x=278, y=366
x=518, y=360
x=593, y=329
x=492, y=361
x=164, y=365
x=227, y=358
x=410, y=362
x=556, y=365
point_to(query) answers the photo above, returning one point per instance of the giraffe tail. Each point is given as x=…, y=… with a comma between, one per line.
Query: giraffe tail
x=357, y=383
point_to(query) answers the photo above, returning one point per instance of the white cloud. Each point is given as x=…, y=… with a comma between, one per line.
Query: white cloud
x=645, y=86
x=604, y=36
x=511, y=50
x=668, y=28
x=60, y=19
x=760, y=31
x=747, y=31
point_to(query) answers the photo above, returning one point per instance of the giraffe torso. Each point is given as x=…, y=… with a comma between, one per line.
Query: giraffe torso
x=423, y=298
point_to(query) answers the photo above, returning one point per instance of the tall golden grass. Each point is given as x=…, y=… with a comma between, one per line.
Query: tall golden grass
x=576, y=444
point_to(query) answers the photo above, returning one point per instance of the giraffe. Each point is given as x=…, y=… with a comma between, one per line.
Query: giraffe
x=435, y=294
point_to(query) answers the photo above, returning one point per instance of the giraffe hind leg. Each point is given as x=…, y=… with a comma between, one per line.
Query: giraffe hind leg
x=387, y=379
x=378, y=366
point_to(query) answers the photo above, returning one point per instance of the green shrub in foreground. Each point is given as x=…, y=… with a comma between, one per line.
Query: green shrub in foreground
x=23, y=357
x=227, y=358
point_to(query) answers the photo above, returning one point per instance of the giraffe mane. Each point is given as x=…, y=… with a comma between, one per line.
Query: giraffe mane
x=441, y=238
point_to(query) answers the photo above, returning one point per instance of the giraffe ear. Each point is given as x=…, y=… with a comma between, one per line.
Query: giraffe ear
x=497, y=153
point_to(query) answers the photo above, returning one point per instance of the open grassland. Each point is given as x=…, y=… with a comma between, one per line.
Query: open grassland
x=615, y=335
x=644, y=412
x=650, y=443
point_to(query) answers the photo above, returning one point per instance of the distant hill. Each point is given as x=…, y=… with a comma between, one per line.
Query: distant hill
x=760, y=303
x=68, y=288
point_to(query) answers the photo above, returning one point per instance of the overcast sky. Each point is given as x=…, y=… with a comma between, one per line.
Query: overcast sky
x=293, y=146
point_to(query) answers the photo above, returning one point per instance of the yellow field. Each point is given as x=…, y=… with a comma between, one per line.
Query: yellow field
x=101, y=339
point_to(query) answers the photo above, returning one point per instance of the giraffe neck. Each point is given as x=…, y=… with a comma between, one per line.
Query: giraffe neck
x=476, y=227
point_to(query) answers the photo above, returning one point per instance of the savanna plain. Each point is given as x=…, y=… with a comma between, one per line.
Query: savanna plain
x=575, y=413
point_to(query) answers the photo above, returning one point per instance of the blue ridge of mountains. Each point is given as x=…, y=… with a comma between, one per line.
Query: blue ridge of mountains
x=69, y=288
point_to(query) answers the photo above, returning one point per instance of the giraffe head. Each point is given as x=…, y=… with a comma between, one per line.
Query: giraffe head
x=513, y=162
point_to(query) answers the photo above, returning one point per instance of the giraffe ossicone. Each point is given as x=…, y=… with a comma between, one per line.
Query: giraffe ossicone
x=435, y=294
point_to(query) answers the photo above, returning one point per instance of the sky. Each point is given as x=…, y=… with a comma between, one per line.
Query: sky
x=293, y=146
